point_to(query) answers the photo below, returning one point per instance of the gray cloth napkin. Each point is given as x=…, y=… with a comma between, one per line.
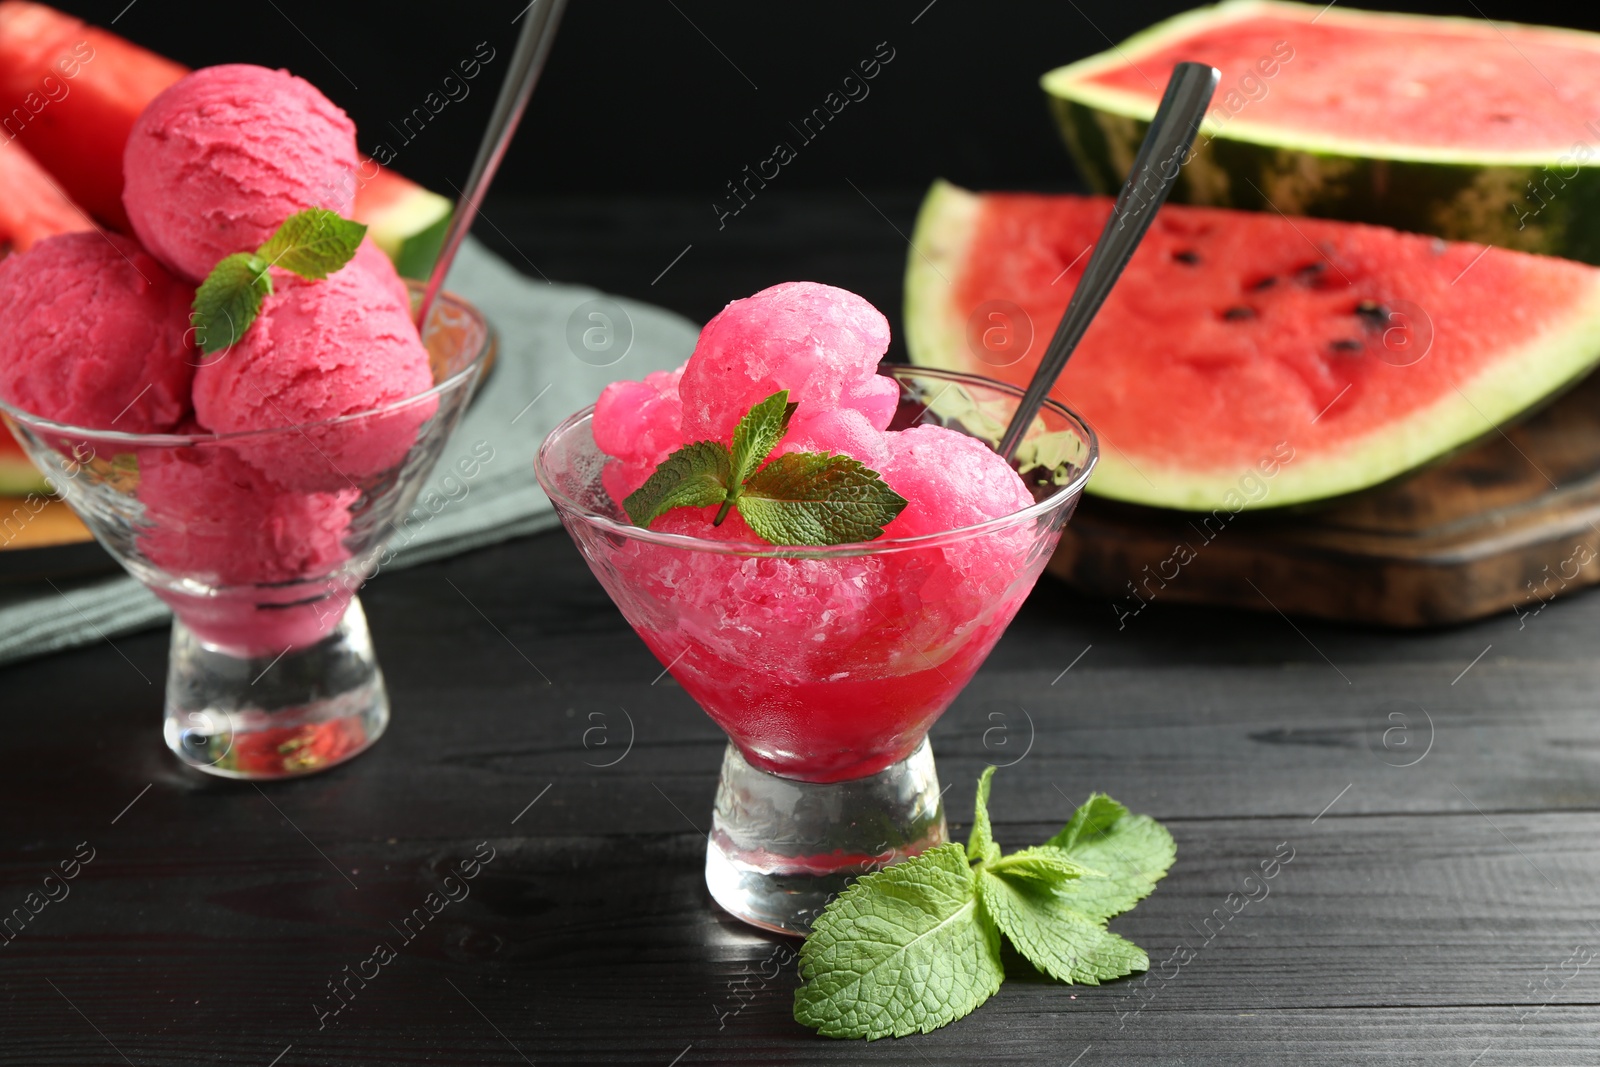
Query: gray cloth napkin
x=559, y=346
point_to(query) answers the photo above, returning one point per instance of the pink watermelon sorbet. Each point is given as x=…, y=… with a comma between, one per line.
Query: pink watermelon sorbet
x=821, y=343
x=210, y=517
x=222, y=157
x=322, y=350
x=639, y=423
x=252, y=625
x=372, y=259
x=832, y=667
x=216, y=519
x=93, y=332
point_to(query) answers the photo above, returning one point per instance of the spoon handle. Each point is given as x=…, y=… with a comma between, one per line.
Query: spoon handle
x=1155, y=169
x=533, y=45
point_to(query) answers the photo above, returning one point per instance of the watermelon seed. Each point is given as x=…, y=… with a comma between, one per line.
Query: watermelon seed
x=1236, y=314
x=1375, y=314
x=1315, y=276
x=1188, y=255
x=1346, y=344
x=1265, y=283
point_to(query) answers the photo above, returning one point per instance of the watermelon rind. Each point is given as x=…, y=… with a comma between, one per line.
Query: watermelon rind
x=1514, y=383
x=15, y=481
x=411, y=231
x=18, y=477
x=1456, y=194
x=415, y=254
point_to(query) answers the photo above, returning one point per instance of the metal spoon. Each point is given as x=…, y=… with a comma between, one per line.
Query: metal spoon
x=1155, y=169
x=533, y=45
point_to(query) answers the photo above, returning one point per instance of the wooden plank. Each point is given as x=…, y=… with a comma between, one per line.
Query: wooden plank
x=1406, y=925
x=602, y=950
x=1175, y=715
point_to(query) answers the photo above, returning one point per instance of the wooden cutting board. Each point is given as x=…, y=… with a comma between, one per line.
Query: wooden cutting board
x=38, y=523
x=1507, y=524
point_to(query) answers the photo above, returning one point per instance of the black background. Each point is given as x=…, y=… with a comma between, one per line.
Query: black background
x=648, y=108
x=637, y=99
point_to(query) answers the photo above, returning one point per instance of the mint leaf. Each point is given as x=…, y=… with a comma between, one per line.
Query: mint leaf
x=1043, y=864
x=904, y=950
x=1133, y=851
x=313, y=243
x=758, y=433
x=695, y=476
x=228, y=301
x=1092, y=819
x=1040, y=922
x=818, y=498
x=981, y=847
x=1029, y=894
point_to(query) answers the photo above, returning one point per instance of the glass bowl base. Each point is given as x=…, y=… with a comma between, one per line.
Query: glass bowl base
x=275, y=715
x=781, y=849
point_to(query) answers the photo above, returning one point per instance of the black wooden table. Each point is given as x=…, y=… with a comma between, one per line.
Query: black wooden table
x=1437, y=796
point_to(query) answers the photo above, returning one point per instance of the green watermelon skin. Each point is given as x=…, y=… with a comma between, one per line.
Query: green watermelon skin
x=1548, y=205
x=1557, y=209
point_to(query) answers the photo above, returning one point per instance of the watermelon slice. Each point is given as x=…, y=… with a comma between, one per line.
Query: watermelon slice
x=87, y=86
x=1248, y=359
x=32, y=206
x=1463, y=128
x=71, y=93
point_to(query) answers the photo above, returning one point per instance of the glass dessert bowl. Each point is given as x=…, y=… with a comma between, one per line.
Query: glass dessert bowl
x=258, y=541
x=826, y=666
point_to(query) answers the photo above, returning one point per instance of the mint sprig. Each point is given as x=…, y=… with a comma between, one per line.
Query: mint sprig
x=1133, y=852
x=908, y=949
x=312, y=243
x=695, y=476
x=799, y=498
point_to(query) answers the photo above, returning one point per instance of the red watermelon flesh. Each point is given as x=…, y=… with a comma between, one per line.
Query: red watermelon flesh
x=1464, y=85
x=32, y=206
x=1237, y=336
x=385, y=191
x=87, y=86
